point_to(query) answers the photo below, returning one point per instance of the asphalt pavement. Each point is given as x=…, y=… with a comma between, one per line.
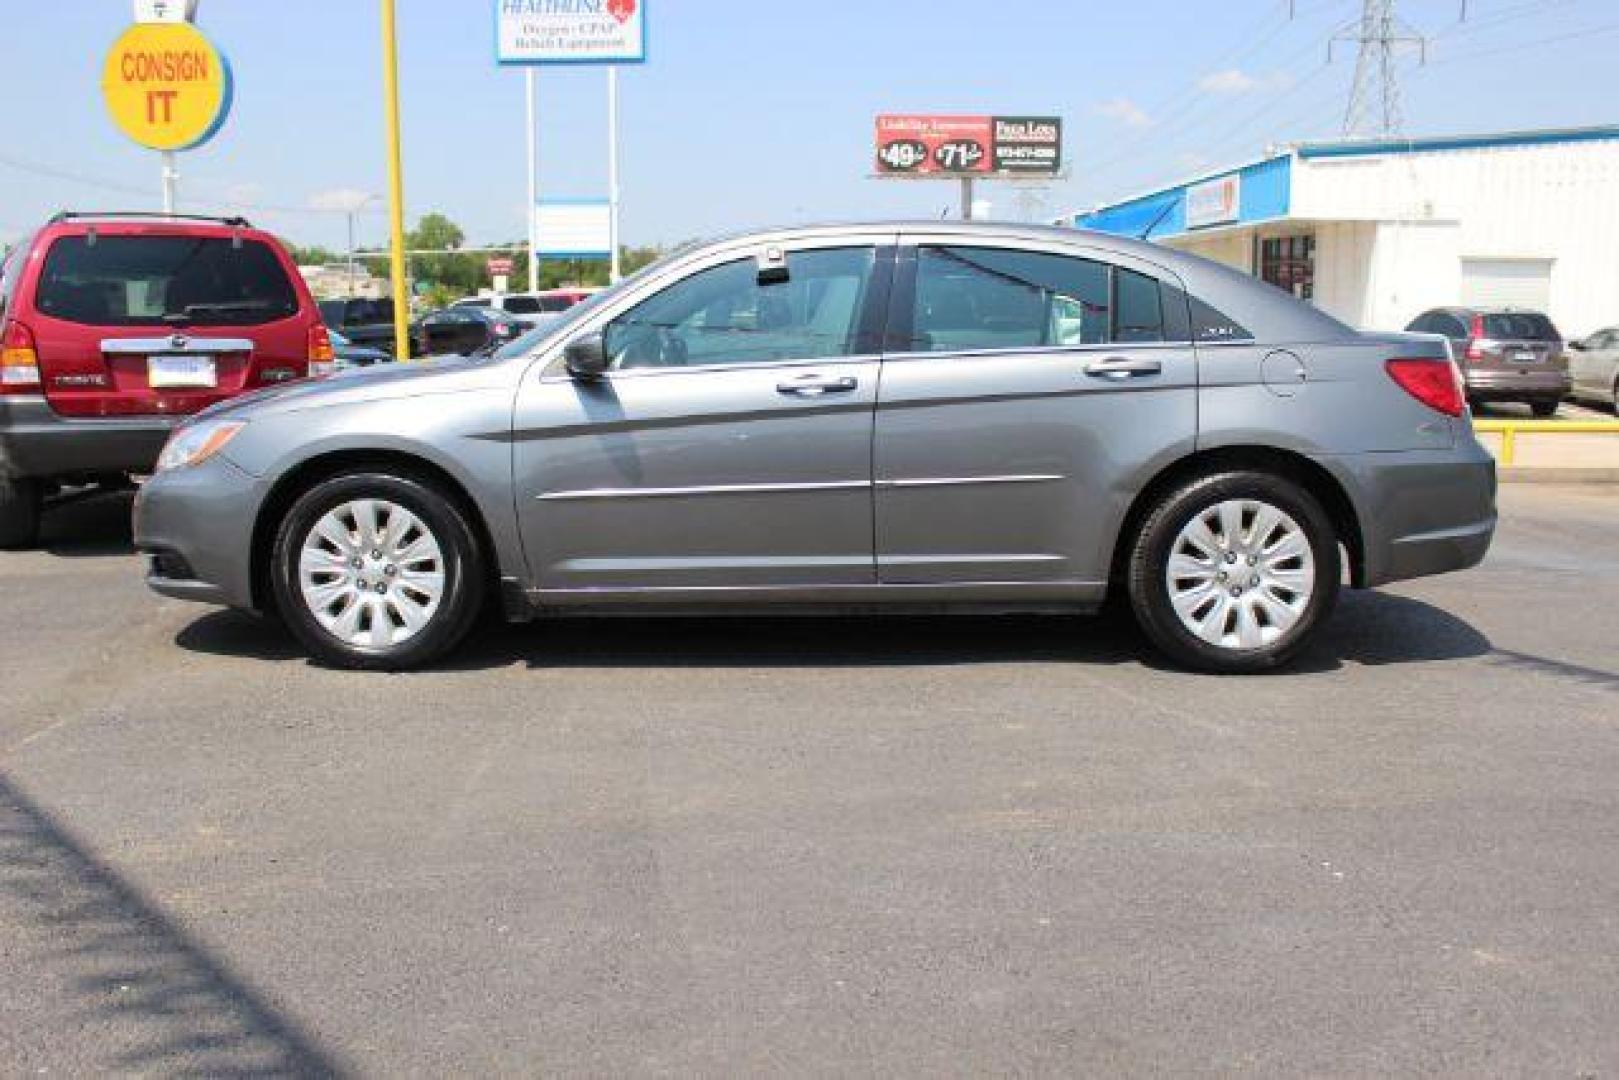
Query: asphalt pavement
x=1013, y=845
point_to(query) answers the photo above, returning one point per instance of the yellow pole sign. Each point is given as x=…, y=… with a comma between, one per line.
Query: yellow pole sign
x=166, y=85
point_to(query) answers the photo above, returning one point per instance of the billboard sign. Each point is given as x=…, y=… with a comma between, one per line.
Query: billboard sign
x=1214, y=202
x=570, y=31
x=932, y=145
x=573, y=229
x=498, y=266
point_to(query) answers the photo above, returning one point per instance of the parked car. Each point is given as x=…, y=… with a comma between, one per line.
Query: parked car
x=463, y=331
x=945, y=415
x=350, y=355
x=1504, y=354
x=528, y=308
x=114, y=326
x=363, y=321
x=1594, y=368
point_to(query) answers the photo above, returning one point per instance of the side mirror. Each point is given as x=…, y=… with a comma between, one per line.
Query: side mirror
x=586, y=357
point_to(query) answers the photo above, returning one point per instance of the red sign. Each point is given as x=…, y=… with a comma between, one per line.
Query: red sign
x=934, y=144
x=968, y=145
x=499, y=267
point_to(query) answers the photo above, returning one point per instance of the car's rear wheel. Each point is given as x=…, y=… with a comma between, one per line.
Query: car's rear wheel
x=378, y=571
x=1544, y=408
x=1231, y=573
x=20, y=502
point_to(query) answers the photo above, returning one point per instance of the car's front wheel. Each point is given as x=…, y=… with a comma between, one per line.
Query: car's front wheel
x=1231, y=573
x=376, y=570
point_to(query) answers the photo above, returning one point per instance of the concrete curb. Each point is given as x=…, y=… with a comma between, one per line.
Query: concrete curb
x=1551, y=474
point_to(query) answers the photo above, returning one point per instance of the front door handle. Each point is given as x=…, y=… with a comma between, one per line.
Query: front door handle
x=1118, y=367
x=816, y=385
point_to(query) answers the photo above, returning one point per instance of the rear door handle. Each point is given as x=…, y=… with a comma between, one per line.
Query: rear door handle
x=1117, y=367
x=816, y=385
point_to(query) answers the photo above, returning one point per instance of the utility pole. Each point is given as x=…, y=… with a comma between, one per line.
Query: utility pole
x=1374, y=100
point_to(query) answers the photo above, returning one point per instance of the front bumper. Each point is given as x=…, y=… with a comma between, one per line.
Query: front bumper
x=1421, y=512
x=35, y=441
x=1517, y=383
x=196, y=526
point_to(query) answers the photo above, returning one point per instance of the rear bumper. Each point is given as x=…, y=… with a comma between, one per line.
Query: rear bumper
x=37, y=442
x=1421, y=512
x=196, y=526
x=1517, y=383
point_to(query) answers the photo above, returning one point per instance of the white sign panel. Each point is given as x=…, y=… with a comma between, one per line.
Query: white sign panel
x=1214, y=202
x=570, y=31
x=574, y=229
x=165, y=11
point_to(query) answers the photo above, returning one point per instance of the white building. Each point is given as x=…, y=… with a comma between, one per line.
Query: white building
x=1377, y=230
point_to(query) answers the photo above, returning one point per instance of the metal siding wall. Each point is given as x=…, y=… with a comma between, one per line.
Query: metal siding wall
x=1547, y=200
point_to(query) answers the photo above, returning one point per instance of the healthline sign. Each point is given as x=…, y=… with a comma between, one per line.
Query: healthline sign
x=570, y=31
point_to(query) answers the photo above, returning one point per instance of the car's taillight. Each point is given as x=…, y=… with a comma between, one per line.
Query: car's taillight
x=1475, y=352
x=19, y=362
x=1435, y=383
x=322, y=360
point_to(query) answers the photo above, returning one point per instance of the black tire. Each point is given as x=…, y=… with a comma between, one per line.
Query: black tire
x=1149, y=590
x=20, y=502
x=462, y=568
x=1544, y=408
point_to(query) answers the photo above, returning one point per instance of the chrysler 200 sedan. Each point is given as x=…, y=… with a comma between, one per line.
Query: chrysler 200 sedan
x=949, y=417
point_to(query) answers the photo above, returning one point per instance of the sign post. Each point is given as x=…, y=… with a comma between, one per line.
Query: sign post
x=168, y=88
x=396, y=185
x=535, y=32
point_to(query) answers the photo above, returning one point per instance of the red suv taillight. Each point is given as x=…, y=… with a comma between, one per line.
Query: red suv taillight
x=19, y=362
x=322, y=361
x=1474, y=332
x=1435, y=383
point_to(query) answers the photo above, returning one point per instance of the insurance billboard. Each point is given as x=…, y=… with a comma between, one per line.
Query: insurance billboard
x=940, y=145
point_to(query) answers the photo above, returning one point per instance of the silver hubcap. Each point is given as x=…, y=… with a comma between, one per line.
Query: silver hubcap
x=1240, y=574
x=371, y=573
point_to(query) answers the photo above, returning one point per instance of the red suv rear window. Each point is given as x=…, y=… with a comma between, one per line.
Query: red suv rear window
x=164, y=281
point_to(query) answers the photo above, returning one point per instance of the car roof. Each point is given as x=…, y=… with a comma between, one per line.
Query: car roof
x=138, y=223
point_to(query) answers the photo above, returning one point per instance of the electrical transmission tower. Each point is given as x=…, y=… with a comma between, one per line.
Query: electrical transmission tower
x=1374, y=101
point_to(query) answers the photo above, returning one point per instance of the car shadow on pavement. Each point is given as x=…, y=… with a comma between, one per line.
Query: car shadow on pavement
x=141, y=995
x=1368, y=628
x=88, y=524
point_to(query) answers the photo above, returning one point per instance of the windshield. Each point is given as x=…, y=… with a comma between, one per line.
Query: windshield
x=1520, y=326
x=164, y=281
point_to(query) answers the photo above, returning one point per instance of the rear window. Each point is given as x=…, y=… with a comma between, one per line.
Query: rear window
x=1520, y=326
x=164, y=280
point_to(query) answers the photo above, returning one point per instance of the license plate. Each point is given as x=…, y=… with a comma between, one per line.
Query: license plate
x=1525, y=356
x=181, y=371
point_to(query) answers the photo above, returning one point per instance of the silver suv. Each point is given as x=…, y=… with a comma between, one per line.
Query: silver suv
x=873, y=417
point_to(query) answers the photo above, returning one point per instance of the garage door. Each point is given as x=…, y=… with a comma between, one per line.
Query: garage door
x=1517, y=283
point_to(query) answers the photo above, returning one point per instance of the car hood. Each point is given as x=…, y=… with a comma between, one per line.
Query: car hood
x=436, y=375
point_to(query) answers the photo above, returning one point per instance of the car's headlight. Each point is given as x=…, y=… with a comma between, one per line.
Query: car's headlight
x=196, y=443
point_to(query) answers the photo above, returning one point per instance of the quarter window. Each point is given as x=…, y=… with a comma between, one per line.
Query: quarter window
x=726, y=315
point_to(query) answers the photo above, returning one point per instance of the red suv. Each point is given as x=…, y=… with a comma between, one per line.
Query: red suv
x=114, y=326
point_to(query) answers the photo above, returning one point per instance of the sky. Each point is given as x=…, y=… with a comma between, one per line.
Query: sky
x=759, y=112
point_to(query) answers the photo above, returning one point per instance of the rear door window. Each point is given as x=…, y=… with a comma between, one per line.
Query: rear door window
x=164, y=280
x=522, y=305
x=1519, y=326
x=971, y=298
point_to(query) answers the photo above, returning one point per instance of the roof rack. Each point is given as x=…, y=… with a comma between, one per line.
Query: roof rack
x=77, y=215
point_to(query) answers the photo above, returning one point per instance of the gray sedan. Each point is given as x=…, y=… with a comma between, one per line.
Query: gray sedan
x=951, y=417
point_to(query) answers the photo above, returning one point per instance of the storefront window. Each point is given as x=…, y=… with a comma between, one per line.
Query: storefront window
x=1288, y=262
